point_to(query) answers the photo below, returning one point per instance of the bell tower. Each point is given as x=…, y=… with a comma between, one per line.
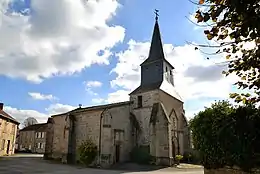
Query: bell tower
x=155, y=69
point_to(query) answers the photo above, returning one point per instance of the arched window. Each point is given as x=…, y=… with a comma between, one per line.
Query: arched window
x=107, y=120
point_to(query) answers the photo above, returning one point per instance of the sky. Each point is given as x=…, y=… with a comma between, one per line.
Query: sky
x=55, y=55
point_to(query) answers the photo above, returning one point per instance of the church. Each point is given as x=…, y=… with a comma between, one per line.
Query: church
x=154, y=118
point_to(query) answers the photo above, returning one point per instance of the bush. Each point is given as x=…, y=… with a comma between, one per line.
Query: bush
x=87, y=152
x=227, y=136
x=178, y=158
x=191, y=157
x=141, y=155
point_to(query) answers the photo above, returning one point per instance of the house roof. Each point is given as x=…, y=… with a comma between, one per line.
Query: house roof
x=98, y=107
x=6, y=116
x=35, y=127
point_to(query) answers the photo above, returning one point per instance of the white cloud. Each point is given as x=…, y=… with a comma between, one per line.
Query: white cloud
x=59, y=108
x=114, y=97
x=93, y=84
x=98, y=100
x=90, y=85
x=62, y=39
x=21, y=114
x=39, y=96
x=194, y=76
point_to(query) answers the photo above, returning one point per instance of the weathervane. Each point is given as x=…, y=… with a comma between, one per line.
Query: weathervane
x=156, y=14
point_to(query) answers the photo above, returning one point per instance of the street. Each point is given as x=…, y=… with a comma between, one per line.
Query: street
x=33, y=164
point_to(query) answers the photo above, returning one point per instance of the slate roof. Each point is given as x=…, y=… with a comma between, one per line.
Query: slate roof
x=35, y=127
x=6, y=116
x=156, y=52
x=163, y=86
x=146, y=88
x=98, y=107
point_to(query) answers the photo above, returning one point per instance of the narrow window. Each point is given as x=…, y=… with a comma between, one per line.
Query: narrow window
x=171, y=72
x=140, y=101
x=166, y=69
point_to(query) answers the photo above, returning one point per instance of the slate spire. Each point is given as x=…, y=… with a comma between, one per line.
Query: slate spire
x=156, y=48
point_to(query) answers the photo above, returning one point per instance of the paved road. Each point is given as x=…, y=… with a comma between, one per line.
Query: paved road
x=34, y=164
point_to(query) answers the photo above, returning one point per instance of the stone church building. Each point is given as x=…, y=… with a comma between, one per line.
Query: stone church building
x=153, y=118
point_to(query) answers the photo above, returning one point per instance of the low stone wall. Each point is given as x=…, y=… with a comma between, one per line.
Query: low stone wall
x=228, y=171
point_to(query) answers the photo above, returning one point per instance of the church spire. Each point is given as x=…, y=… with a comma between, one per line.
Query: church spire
x=156, y=48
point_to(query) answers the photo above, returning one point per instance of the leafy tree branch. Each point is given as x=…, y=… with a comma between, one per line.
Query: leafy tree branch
x=235, y=24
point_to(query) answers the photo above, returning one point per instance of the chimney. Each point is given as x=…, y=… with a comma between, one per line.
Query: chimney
x=1, y=106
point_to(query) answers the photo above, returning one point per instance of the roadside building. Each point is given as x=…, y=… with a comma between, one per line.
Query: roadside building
x=32, y=138
x=8, y=130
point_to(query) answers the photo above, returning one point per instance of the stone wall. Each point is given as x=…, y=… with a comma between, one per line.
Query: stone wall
x=228, y=171
x=170, y=124
x=119, y=132
x=49, y=139
x=87, y=127
x=7, y=133
x=114, y=119
x=174, y=109
x=60, y=138
x=143, y=114
x=161, y=146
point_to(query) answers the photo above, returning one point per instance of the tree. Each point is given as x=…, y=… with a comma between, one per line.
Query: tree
x=225, y=135
x=238, y=21
x=205, y=128
x=29, y=121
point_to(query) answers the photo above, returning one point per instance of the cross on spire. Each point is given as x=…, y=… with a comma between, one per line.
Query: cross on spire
x=156, y=14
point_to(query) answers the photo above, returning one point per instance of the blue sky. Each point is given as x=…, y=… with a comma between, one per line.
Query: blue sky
x=58, y=83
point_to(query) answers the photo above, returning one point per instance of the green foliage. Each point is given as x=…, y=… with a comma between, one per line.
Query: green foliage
x=238, y=21
x=191, y=157
x=87, y=152
x=227, y=136
x=141, y=155
x=178, y=158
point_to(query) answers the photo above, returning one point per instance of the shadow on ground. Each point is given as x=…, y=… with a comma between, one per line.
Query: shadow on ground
x=136, y=167
x=34, y=163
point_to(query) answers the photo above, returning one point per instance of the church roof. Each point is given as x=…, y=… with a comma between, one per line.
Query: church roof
x=156, y=49
x=156, y=52
x=163, y=86
x=97, y=107
x=146, y=88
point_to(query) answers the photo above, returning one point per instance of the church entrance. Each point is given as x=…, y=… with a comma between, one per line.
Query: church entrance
x=117, y=155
